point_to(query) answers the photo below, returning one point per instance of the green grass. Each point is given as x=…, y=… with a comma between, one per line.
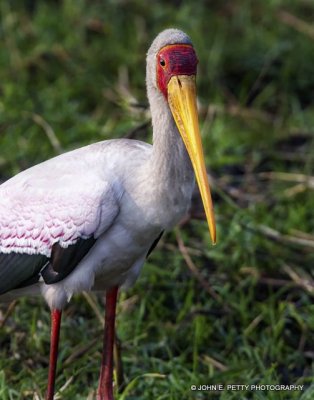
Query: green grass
x=71, y=74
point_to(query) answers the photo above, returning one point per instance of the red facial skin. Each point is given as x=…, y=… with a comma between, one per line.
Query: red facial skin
x=175, y=59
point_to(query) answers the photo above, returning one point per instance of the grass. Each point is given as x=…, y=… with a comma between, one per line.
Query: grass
x=72, y=72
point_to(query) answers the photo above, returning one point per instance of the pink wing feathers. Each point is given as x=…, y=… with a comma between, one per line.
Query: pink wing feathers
x=46, y=204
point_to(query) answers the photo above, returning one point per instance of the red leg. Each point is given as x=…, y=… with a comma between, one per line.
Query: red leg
x=105, y=391
x=54, y=342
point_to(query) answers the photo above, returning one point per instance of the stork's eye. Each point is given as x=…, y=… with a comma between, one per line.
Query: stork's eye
x=162, y=62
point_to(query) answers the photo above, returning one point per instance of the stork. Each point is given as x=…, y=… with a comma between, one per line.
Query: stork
x=86, y=220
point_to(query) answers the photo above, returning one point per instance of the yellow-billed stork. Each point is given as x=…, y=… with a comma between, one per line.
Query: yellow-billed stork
x=86, y=220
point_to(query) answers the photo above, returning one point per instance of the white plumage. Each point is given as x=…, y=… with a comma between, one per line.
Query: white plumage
x=91, y=191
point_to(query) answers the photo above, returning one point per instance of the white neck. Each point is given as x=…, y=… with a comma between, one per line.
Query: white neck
x=170, y=163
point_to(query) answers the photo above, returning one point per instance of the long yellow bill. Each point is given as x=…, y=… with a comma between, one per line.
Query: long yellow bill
x=182, y=102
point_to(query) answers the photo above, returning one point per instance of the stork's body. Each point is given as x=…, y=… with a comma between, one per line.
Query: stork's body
x=84, y=194
x=85, y=220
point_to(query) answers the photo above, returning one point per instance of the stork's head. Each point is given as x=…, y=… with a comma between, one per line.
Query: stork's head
x=171, y=73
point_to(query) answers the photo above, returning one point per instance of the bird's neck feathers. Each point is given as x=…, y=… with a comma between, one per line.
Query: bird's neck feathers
x=171, y=164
